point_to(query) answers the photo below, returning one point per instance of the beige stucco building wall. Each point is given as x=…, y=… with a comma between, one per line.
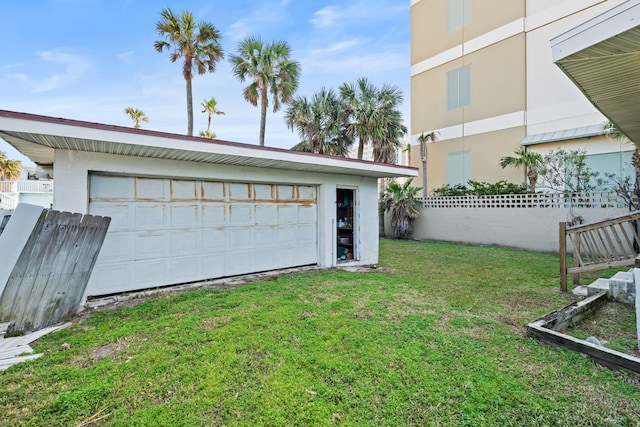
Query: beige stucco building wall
x=516, y=90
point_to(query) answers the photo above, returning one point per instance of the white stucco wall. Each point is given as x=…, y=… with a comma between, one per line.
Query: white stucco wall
x=553, y=101
x=533, y=229
x=72, y=191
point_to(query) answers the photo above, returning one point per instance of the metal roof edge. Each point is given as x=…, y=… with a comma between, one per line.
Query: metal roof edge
x=88, y=131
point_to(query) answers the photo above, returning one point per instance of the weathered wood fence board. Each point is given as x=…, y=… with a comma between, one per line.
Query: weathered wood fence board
x=612, y=242
x=48, y=280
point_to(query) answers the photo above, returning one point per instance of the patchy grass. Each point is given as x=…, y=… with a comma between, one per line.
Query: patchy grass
x=614, y=325
x=440, y=341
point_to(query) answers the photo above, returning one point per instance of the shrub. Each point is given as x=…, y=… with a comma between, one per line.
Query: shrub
x=478, y=188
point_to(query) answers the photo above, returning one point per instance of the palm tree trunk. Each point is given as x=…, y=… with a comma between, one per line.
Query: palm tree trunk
x=360, y=148
x=263, y=114
x=189, y=108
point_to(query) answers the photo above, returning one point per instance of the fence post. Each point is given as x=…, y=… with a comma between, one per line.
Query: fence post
x=562, y=238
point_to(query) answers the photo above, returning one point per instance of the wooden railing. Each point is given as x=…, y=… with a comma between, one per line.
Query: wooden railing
x=612, y=242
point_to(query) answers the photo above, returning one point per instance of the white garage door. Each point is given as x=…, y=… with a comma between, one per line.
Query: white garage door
x=167, y=231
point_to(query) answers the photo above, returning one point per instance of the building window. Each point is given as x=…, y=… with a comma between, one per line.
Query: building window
x=459, y=87
x=458, y=14
x=620, y=164
x=458, y=167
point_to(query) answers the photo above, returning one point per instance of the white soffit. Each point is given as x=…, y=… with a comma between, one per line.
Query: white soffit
x=602, y=57
x=38, y=136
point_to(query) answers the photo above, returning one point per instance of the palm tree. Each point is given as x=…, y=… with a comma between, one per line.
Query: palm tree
x=532, y=163
x=373, y=116
x=197, y=43
x=389, y=130
x=270, y=71
x=424, y=139
x=318, y=123
x=358, y=104
x=211, y=108
x=208, y=134
x=401, y=201
x=10, y=170
x=136, y=115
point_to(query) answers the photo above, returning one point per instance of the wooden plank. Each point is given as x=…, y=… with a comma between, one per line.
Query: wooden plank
x=40, y=269
x=51, y=287
x=594, y=267
x=618, y=241
x=51, y=274
x=87, y=244
x=559, y=320
x=602, y=355
x=562, y=237
x=12, y=294
x=626, y=237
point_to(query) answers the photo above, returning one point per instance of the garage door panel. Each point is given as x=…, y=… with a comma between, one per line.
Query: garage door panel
x=213, y=240
x=166, y=231
x=240, y=214
x=240, y=191
x=185, y=215
x=185, y=269
x=240, y=237
x=240, y=262
x=117, y=246
x=264, y=259
x=286, y=193
x=152, y=189
x=264, y=237
x=265, y=214
x=286, y=236
x=306, y=193
x=122, y=214
x=214, y=214
x=183, y=190
x=213, y=266
x=185, y=242
x=151, y=245
x=151, y=273
x=213, y=191
x=151, y=215
x=287, y=214
x=112, y=277
x=307, y=234
x=307, y=214
x=111, y=188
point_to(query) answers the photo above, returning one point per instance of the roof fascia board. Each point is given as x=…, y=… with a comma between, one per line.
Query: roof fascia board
x=602, y=27
x=19, y=122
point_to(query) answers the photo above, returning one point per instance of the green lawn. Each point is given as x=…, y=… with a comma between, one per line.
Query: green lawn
x=438, y=341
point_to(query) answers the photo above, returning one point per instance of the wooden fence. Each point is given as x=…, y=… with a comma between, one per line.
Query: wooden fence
x=49, y=278
x=612, y=242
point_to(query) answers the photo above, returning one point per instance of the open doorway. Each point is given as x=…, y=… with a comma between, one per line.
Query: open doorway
x=345, y=225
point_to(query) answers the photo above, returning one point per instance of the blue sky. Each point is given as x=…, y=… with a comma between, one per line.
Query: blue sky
x=89, y=59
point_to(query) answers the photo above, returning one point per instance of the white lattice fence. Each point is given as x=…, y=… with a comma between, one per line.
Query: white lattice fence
x=510, y=201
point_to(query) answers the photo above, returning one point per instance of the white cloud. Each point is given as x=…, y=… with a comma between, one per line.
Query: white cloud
x=73, y=68
x=356, y=12
x=325, y=17
x=337, y=47
x=126, y=56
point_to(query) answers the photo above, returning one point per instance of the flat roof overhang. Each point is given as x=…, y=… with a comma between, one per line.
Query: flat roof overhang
x=38, y=136
x=602, y=57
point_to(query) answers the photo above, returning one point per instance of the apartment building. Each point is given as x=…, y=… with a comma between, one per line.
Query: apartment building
x=483, y=79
